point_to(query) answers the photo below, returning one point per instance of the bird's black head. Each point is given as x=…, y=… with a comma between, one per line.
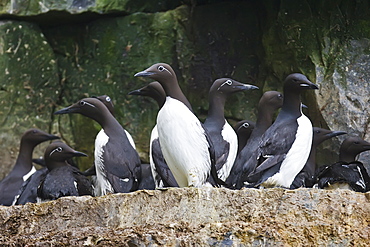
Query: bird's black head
x=229, y=86
x=161, y=72
x=351, y=147
x=153, y=90
x=89, y=107
x=297, y=82
x=57, y=153
x=271, y=100
x=320, y=134
x=35, y=136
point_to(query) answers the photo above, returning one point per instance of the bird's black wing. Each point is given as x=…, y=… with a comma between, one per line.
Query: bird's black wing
x=55, y=186
x=123, y=168
x=84, y=186
x=147, y=181
x=161, y=166
x=28, y=191
x=275, y=144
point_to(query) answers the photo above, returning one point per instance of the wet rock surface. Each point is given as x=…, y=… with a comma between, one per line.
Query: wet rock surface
x=192, y=216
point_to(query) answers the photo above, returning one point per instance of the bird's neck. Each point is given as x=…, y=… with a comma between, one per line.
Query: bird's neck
x=346, y=157
x=216, y=109
x=25, y=156
x=51, y=165
x=174, y=91
x=264, y=118
x=291, y=104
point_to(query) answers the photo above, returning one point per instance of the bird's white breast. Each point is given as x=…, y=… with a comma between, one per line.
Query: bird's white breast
x=102, y=186
x=130, y=139
x=29, y=174
x=158, y=182
x=229, y=135
x=183, y=143
x=296, y=157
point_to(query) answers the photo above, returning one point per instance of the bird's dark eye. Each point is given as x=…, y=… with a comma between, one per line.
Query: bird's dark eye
x=160, y=68
x=108, y=99
x=246, y=125
x=317, y=131
x=295, y=80
x=280, y=96
x=34, y=131
x=82, y=103
x=356, y=143
x=59, y=149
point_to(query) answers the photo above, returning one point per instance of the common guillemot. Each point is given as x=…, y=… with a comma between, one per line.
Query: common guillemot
x=285, y=146
x=269, y=103
x=62, y=178
x=116, y=161
x=162, y=174
x=184, y=141
x=23, y=168
x=347, y=172
x=223, y=136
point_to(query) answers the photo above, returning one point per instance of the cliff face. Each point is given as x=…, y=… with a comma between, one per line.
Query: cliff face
x=53, y=54
x=191, y=216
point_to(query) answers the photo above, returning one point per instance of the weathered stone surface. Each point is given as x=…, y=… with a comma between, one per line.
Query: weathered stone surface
x=33, y=7
x=192, y=216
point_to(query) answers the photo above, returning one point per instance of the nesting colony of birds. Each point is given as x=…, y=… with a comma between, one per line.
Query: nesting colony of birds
x=185, y=152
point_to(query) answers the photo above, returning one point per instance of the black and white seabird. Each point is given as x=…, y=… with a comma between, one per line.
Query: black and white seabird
x=23, y=168
x=285, y=146
x=223, y=136
x=243, y=130
x=116, y=161
x=62, y=178
x=162, y=174
x=185, y=143
x=347, y=173
x=109, y=104
x=269, y=103
x=306, y=177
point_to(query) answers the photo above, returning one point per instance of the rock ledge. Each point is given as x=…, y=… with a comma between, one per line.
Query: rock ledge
x=192, y=216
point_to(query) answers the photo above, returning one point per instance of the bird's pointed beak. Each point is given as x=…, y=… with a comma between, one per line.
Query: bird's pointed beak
x=246, y=87
x=67, y=110
x=135, y=92
x=309, y=85
x=78, y=154
x=336, y=133
x=144, y=74
x=52, y=137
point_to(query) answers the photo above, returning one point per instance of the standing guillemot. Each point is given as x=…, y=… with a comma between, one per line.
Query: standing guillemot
x=184, y=141
x=62, y=179
x=109, y=104
x=347, y=172
x=223, y=136
x=285, y=146
x=23, y=168
x=269, y=103
x=116, y=162
x=306, y=177
x=107, y=101
x=161, y=173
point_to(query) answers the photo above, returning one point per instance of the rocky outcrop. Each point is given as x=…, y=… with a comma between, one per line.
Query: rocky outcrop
x=193, y=216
